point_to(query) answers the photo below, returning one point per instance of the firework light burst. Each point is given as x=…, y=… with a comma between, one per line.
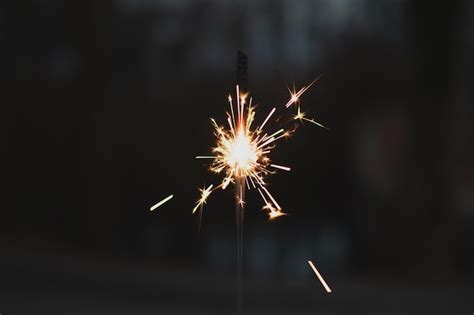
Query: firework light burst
x=242, y=151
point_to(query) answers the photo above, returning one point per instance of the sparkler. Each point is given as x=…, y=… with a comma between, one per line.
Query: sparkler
x=242, y=151
x=241, y=155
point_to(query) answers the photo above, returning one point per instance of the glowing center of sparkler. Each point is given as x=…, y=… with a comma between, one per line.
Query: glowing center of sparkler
x=242, y=153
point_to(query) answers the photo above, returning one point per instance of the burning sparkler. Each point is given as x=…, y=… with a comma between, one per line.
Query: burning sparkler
x=242, y=152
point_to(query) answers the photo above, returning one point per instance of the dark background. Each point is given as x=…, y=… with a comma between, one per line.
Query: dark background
x=106, y=104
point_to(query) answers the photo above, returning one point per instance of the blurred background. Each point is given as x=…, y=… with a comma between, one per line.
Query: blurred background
x=106, y=103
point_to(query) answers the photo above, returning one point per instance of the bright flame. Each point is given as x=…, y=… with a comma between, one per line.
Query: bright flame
x=242, y=152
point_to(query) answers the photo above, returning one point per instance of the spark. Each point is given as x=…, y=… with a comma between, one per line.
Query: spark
x=161, y=202
x=205, y=192
x=325, y=285
x=266, y=119
x=295, y=96
x=242, y=152
x=276, y=214
x=273, y=213
x=302, y=116
x=285, y=168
